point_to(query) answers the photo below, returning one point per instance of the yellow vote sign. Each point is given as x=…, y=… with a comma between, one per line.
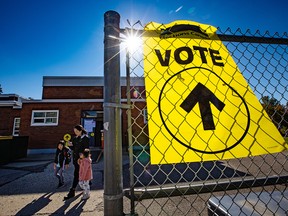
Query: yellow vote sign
x=199, y=105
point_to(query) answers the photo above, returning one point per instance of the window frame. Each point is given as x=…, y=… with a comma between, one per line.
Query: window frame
x=44, y=123
x=16, y=132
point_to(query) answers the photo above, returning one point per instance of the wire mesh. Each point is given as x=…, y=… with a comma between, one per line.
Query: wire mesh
x=201, y=188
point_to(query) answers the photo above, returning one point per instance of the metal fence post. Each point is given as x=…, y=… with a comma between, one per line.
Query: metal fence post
x=113, y=182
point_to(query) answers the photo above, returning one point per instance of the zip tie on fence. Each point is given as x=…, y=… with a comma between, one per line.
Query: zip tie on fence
x=117, y=105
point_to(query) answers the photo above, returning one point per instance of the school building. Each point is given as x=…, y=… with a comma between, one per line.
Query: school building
x=68, y=101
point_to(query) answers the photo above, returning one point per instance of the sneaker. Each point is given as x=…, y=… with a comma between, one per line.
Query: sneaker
x=85, y=196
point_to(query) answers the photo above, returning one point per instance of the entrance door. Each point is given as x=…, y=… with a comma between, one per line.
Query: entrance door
x=92, y=121
x=90, y=124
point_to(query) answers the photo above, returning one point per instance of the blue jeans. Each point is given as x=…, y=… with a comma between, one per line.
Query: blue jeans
x=59, y=174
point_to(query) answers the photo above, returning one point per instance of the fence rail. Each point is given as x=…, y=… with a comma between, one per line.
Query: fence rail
x=199, y=188
x=227, y=37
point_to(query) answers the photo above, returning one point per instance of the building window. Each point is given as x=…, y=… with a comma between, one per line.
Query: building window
x=16, y=126
x=44, y=117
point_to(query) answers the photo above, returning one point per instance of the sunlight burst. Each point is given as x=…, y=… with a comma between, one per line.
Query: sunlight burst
x=132, y=42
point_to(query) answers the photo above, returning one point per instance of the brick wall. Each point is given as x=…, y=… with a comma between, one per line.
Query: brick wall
x=7, y=115
x=48, y=136
x=83, y=92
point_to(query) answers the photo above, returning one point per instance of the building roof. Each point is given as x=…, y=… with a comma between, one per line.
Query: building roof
x=86, y=81
x=11, y=100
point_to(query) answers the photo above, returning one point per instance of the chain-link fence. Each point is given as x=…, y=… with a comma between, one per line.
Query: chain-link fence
x=254, y=185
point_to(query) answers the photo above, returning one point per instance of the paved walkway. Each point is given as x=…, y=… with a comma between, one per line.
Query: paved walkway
x=28, y=187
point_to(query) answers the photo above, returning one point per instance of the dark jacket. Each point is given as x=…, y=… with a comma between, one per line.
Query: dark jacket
x=62, y=156
x=79, y=144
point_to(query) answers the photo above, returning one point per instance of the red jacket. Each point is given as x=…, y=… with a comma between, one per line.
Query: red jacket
x=85, y=172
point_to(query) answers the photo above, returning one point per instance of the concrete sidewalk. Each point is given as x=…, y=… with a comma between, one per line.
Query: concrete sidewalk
x=29, y=187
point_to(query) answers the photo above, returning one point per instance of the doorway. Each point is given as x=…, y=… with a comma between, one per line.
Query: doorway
x=92, y=121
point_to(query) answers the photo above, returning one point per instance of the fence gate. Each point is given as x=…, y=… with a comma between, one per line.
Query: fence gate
x=255, y=185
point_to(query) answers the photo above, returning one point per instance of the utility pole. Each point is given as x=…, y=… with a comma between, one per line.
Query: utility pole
x=113, y=178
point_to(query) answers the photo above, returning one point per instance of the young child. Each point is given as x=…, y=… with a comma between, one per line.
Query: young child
x=85, y=173
x=61, y=161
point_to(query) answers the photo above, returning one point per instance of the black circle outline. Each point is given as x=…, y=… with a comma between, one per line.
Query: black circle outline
x=189, y=147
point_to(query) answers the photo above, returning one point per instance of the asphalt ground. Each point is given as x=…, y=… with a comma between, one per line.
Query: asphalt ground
x=28, y=187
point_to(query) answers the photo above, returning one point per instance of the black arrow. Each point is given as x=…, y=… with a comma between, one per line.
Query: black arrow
x=203, y=95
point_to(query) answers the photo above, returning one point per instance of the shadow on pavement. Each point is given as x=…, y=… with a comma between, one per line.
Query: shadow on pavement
x=39, y=174
x=36, y=205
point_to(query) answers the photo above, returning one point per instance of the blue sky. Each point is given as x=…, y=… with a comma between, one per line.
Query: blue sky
x=65, y=37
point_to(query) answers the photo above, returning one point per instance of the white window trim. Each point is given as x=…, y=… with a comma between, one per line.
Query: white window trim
x=44, y=124
x=14, y=126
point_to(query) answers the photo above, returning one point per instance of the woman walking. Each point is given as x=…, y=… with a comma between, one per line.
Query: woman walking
x=79, y=143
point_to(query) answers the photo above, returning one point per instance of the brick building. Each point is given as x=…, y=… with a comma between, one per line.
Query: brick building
x=66, y=101
x=10, y=111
